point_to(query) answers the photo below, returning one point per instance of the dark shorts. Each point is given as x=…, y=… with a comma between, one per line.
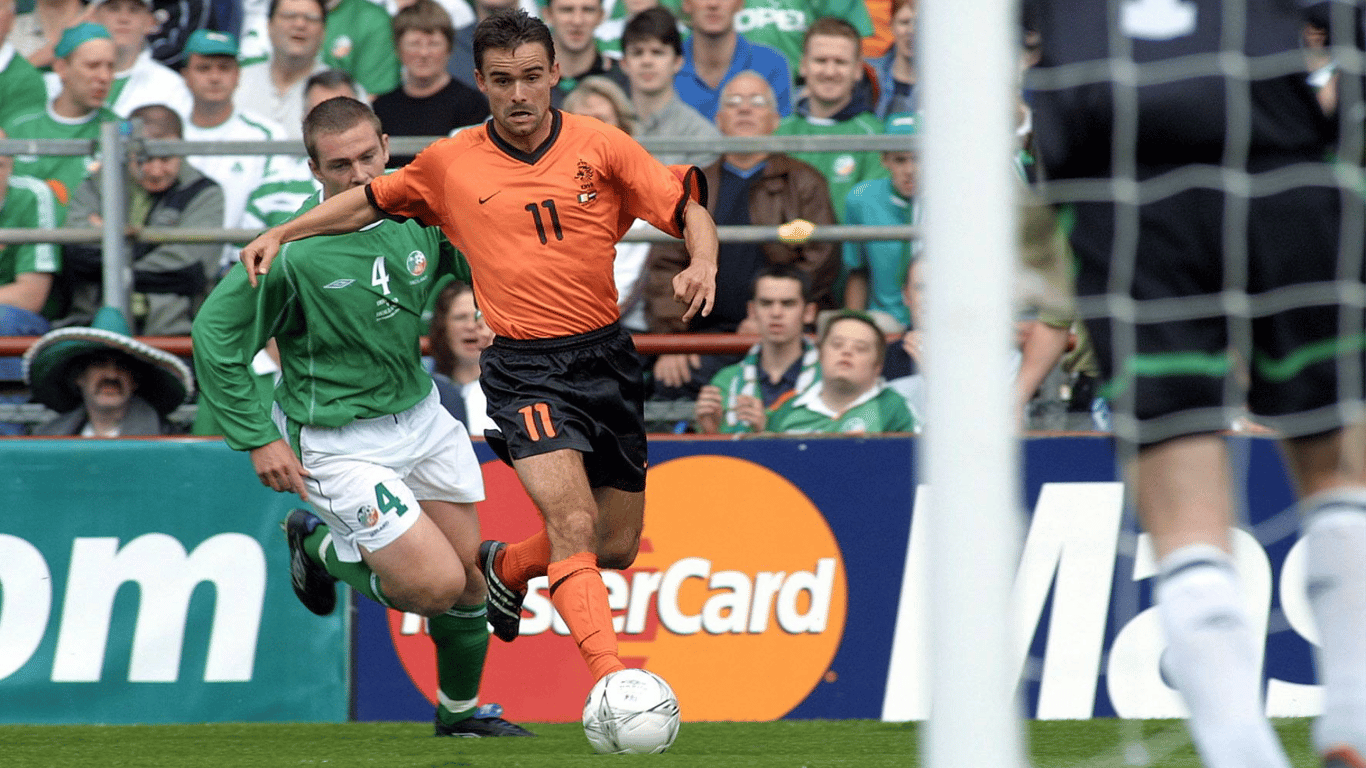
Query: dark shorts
x=1209, y=331
x=584, y=393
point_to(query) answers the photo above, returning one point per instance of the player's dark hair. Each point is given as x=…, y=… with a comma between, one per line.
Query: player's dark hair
x=336, y=115
x=322, y=8
x=424, y=16
x=653, y=24
x=834, y=27
x=509, y=29
x=443, y=357
x=158, y=122
x=784, y=272
x=880, y=347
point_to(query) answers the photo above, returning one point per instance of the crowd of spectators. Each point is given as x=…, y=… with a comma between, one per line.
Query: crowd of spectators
x=249, y=70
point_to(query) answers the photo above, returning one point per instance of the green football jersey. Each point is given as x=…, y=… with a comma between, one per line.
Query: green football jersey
x=842, y=170
x=347, y=314
x=880, y=410
x=21, y=86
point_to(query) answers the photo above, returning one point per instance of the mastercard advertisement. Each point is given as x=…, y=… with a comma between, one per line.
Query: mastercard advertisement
x=765, y=587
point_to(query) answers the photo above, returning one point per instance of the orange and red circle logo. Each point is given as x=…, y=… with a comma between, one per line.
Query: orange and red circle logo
x=737, y=598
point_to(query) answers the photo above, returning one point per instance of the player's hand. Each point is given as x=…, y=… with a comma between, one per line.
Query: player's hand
x=676, y=370
x=696, y=287
x=707, y=409
x=750, y=410
x=279, y=469
x=258, y=255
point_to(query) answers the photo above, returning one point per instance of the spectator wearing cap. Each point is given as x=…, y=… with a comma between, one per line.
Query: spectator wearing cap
x=212, y=73
x=103, y=382
x=138, y=77
x=84, y=67
x=170, y=280
x=874, y=271
x=21, y=85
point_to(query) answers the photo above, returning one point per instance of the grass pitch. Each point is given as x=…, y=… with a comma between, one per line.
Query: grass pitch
x=794, y=743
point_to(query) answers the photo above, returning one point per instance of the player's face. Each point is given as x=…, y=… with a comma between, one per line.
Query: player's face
x=831, y=66
x=778, y=309
x=650, y=65
x=106, y=382
x=87, y=74
x=296, y=29
x=518, y=84
x=212, y=79
x=904, y=167
x=849, y=355
x=903, y=30
x=423, y=54
x=467, y=331
x=349, y=158
x=572, y=22
x=128, y=21
x=747, y=108
x=712, y=17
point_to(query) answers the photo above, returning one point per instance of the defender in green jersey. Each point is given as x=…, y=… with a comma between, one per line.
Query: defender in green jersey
x=358, y=429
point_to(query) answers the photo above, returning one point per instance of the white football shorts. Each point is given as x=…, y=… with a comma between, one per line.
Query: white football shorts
x=368, y=476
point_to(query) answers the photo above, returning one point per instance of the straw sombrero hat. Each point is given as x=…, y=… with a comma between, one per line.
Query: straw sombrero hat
x=164, y=381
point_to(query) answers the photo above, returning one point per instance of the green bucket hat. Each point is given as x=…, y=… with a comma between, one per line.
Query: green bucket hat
x=51, y=364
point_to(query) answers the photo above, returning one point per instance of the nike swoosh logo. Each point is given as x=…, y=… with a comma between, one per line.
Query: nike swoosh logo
x=483, y=200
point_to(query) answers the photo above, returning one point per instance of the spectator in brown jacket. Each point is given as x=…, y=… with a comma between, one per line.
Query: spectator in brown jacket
x=764, y=188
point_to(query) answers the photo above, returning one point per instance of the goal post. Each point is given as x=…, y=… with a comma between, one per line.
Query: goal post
x=967, y=88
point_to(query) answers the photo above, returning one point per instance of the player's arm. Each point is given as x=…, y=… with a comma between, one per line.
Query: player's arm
x=695, y=286
x=344, y=212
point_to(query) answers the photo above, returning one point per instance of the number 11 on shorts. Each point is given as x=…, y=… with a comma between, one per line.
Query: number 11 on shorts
x=537, y=412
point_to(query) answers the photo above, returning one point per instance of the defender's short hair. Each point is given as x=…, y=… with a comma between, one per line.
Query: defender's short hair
x=336, y=115
x=509, y=29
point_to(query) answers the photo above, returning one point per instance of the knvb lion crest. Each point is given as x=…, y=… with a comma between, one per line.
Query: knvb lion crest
x=587, y=188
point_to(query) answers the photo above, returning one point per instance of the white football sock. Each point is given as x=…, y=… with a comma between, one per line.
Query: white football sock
x=1335, y=540
x=1210, y=658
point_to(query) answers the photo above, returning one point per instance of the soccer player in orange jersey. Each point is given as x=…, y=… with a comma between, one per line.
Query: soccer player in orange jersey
x=537, y=199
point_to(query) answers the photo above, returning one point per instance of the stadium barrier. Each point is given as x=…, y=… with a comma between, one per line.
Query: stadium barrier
x=778, y=577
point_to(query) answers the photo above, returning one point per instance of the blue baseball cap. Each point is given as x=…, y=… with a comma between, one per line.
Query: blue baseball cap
x=903, y=124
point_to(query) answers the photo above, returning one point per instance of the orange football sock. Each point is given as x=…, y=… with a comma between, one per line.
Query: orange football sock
x=524, y=560
x=577, y=591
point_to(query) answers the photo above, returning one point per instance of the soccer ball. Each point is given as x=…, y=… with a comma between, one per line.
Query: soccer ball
x=631, y=711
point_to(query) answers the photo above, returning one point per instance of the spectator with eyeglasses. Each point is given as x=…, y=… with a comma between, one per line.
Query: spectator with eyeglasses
x=275, y=87
x=746, y=187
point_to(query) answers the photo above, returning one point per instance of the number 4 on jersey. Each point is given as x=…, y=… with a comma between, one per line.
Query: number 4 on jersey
x=379, y=276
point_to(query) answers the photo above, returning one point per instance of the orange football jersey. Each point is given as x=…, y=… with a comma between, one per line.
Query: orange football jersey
x=540, y=230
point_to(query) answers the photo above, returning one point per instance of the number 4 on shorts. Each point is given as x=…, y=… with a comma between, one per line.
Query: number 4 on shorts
x=388, y=502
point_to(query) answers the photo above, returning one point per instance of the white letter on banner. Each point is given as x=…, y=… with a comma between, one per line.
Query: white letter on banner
x=1286, y=699
x=1136, y=688
x=26, y=584
x=727, y=611
x=166, y=579
x=1070, y=551
x=644, y=585
x=819, y=586
x=908, y=671
x=670, y=615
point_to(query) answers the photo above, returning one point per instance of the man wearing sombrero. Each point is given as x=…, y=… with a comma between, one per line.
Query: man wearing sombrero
x=103, y=382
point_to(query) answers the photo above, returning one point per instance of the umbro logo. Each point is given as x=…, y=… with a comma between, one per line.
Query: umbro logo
x=342, y=283
x=483, y=200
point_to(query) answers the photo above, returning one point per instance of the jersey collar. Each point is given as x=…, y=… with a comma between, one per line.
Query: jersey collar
x=529, y=158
